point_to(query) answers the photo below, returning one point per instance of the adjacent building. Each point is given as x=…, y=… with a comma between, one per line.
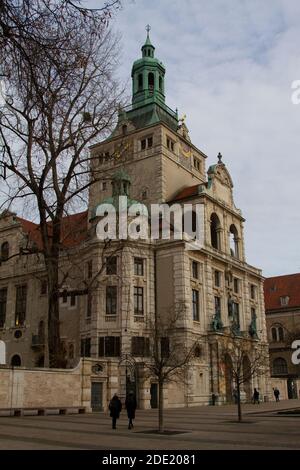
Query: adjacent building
x=282, y=301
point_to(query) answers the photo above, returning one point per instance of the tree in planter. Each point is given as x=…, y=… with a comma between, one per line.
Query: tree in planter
x=60, y=94
x=169, y=355
x=248, y=359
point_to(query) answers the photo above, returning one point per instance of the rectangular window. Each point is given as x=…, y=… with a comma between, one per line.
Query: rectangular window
x=197, y=164
x=140, y=346
x=109, y=346
x=111, y=265
x=217, y=306
x=236, y=313
x=104, y=185
x=138, y=300
x=21, y=297
x=236, y=285
x=170, y=144
x=217, y=278
x=252, y=291
x=3, y=300
x=73, y=299
x=195, y=270
x=90, y=269
x=165, y=347
x=111, y=300
x=146, y=143
x=195, y=303
x=65, y=296
x=44, y=287
x=138, y=267
x=89, y=305
x=85, y=347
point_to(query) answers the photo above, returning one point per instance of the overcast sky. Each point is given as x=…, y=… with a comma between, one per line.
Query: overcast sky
x=230, y=65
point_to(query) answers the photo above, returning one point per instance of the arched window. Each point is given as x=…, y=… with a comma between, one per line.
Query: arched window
x=215, y=229
x=4, y=251
x=234, y=241
x=16, y=360
x=189, y=224
x=151, y=81
x=280, y=366
x=140, y=82
x=277, y=333
x=160, y=83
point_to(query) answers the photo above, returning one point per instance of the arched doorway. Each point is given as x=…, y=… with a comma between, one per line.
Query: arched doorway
x=247, y=378
x=128, y=376
x=228, y=379
x=16, y=361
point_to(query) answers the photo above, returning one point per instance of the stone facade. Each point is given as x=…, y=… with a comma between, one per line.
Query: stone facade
x=282, y=300
x=218, y=291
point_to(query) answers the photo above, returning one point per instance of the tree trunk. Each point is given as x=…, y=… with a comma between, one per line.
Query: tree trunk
x=160, y=406
x=239, y=401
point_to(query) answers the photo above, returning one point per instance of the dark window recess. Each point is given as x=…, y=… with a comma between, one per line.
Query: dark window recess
x=65, y=297
x=195, y=303
x=111, y=265
x=252, y=291
x=90, y=269
x=4, y=251
x=217, y=306
x=16, y=361
x=111, y=300
x=195, y=270
x=165, y=347
x=3, y=300
x=143, y=144
x=138, y=300
x=89, y=305
x=109, y=346
x=140, y=346
x=21, y=297
x=138, y=266
x=236, y=285
x=150, y=142
x=44, y=287
x=73, y=299
x=170, y=144
x=86, y=347
x=217, y=279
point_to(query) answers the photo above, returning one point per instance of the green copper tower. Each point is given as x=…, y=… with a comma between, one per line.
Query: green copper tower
x=148, y=75
x=148, y=92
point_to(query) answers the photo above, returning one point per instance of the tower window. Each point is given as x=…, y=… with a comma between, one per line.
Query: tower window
x=170, y=144
x=140, y=82
x=215, y=229
x=160, y=83
x=146, y=143
x=151, y=81
x=234, y=241
x=197, y=164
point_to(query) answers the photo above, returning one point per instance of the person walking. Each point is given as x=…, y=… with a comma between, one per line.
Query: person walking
x=256, y=396
x=276, y=393
x=115, y=407
x=130, y=405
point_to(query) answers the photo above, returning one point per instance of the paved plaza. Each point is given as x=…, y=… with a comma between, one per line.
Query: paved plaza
x=200, y=428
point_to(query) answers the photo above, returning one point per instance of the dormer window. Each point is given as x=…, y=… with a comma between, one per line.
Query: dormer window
x=284, y=301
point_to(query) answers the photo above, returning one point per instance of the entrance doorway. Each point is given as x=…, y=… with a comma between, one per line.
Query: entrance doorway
x=292, y=389
x=97, y=396
x=154, y=396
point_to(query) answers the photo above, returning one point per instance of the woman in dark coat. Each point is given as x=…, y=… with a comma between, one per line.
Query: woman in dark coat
x=130, y=405
x=115, y=407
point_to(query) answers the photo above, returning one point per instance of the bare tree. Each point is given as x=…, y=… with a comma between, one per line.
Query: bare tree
x=57, y=101
x=170, y=354
x=248, y=359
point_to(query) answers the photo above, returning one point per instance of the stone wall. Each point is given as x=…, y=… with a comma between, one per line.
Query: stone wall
x=31, y=388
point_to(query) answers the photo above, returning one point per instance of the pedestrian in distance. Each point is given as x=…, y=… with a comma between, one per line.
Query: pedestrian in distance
x=130, y=404
x=256, y=396
x=276, y=393
x=115, y=407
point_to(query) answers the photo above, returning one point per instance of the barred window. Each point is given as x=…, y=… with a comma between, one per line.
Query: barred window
x=109, y=346
x=138, y=300
x=140, y=346
x=111, y=300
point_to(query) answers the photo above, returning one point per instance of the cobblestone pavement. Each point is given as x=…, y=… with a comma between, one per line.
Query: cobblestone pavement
x=213, y=427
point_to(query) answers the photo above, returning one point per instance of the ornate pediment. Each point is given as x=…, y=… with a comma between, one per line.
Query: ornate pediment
x=220, y=172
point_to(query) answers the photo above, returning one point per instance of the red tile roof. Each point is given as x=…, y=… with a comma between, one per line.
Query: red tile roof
x=187, y=192
x=74, y=230
x=282, y=286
